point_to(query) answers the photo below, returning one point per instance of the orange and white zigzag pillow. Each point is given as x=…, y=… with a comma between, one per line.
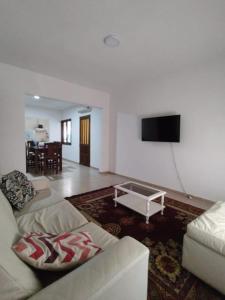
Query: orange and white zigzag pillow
x=48, y=251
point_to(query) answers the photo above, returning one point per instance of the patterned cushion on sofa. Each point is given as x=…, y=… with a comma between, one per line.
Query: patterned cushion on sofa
x=51, y=252
x=17, y=188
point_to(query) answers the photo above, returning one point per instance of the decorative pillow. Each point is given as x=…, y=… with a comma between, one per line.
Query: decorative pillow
x=52, y=252
x=17, y=188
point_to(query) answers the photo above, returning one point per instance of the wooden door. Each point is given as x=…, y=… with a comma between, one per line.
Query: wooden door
x=85, y=128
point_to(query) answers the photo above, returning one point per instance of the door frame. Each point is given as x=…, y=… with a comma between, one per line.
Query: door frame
x=89, y=131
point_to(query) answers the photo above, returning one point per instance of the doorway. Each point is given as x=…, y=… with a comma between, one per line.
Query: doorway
x=85, y=129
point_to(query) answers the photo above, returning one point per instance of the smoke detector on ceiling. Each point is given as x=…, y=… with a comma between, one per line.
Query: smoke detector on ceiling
x=111, y=41
x=85, y=110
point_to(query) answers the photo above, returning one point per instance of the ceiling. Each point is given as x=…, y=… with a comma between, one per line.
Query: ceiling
x=64, y=38
x=48, y=103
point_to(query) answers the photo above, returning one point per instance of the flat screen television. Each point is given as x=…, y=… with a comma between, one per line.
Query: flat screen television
x=161, y=129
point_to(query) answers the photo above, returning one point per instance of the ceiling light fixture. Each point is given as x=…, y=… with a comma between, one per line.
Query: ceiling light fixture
x=111, y=41
x=36, y=97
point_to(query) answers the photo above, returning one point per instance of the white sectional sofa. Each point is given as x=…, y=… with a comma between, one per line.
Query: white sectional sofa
x=119, y=272
x=204, y=247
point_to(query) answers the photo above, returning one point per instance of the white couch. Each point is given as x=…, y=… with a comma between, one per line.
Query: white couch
x=119, y=272
x=204, y=247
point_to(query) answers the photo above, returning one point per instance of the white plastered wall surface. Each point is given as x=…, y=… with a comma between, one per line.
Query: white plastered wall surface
x=14, y=84
x=48, y=118
x=198, y=94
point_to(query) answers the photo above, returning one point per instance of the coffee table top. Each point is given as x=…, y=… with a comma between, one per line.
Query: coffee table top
x=137, y=188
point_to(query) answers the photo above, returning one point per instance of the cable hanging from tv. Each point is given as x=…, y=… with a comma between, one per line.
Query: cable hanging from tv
x=178, y=173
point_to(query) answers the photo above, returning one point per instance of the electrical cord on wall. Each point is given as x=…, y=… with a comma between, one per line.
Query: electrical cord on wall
x=178, y=173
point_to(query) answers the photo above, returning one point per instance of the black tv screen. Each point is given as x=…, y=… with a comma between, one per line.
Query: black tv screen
x=161, y=129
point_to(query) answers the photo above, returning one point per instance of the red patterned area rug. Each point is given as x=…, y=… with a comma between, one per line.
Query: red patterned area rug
x=163, y=236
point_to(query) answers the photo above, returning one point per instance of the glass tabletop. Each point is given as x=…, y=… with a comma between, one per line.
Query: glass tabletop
x=143, y=190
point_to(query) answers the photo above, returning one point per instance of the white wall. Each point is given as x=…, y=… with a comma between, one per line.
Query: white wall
x=14, y=84
x=71, y=152
x=96, y=138
x=199, y=96
x=54, y=118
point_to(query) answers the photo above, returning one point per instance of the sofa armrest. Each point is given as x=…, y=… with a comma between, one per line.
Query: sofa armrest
x=40, y=184
x=120, y=272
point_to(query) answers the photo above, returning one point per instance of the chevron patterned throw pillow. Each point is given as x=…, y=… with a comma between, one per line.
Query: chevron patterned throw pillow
x=52, y=252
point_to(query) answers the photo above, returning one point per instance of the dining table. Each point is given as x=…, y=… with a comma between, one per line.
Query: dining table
x=39, y=156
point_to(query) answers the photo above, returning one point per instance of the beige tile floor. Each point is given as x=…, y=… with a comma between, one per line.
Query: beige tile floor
x=76, y=179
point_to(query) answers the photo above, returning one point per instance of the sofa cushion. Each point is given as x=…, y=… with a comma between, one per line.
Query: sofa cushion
x=45, y=196
x=40, y=184
x=54, y=252
x=17, y=189
x=56, y=218
x=209, y=228
x=13, y=285
x=41, y=200
x=100, y=236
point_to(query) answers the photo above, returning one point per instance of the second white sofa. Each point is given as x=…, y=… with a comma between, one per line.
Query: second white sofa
x=204, y=247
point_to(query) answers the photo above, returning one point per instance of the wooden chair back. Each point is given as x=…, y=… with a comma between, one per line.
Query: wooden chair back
x=51, y=150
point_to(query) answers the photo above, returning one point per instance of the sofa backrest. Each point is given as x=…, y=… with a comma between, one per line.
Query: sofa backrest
x=17, y=280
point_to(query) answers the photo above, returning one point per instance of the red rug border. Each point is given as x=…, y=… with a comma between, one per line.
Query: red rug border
x=87, y=193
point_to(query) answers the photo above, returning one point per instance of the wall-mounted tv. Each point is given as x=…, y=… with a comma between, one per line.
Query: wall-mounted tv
x=161, y=129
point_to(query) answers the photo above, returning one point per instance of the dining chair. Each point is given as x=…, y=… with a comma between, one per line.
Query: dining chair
x=51, y=160
x=30, y=156
x=59, y=144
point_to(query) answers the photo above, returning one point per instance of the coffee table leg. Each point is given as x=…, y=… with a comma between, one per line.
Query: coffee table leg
x=147, y=212
x=162, y=204
x=115, y=198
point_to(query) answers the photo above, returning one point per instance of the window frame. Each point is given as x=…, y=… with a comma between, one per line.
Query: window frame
x=62, y=131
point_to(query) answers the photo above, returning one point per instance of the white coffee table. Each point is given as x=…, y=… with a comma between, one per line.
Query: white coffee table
x=139, y=198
